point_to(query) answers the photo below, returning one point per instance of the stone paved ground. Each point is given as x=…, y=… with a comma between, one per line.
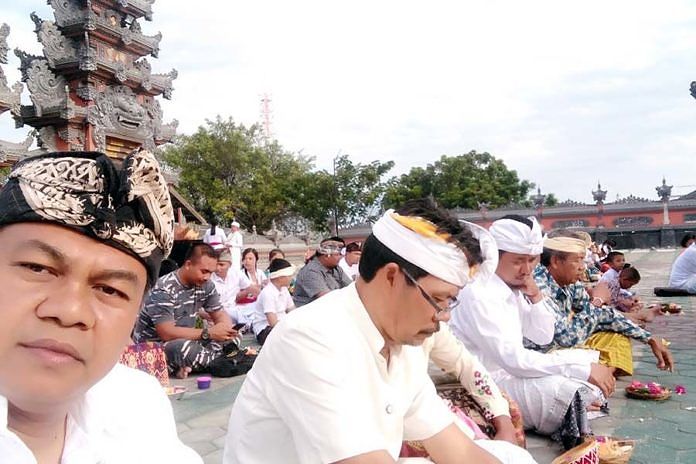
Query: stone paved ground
x=666, y=432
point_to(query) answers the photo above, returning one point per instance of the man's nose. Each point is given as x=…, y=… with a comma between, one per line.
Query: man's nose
x=69, y=306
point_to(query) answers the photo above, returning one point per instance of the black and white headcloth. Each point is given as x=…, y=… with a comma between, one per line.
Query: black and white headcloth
x=127, y=206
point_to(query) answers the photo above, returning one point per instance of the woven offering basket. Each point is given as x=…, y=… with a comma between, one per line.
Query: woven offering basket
x=635, y=393
x=614, y=450
x=586, y=453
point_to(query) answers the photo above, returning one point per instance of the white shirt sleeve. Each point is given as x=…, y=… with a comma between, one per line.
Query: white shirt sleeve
x=538, y=320
x=450, y=355
x=266, y=303
x=484, y=323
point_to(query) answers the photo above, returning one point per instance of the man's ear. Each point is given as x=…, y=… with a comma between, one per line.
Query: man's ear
x=391, y=272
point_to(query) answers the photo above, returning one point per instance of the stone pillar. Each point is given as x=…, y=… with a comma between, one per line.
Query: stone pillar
x=668, y=237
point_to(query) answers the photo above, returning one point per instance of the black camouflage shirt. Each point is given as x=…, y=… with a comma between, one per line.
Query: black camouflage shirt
x=170, y=300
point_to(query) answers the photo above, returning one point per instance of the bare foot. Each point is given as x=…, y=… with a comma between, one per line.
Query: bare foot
x=182, y=373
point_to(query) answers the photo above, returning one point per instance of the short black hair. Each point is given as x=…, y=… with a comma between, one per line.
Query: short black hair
x=353, y=246
x=631, y=273
x=275, y=251
x=685, y=239
x=518, y=218
x=333, y=239
x=375, y=255
x=198, y=250
x=611, y=255
x=278, y=264
x=168, y=266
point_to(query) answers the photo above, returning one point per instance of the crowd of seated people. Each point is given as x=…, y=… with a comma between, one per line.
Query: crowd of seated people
x=347, y=348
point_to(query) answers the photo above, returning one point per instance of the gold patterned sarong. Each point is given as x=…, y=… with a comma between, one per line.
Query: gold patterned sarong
x=614, y=351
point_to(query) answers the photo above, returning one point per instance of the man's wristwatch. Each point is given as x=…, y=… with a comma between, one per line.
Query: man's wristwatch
x=597, y=299
x=205, y=336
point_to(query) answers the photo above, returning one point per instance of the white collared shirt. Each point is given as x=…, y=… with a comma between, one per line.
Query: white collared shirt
x=271, y=300
x=492, y=319
x=609, y=276
x=320, y=391
x=124, y=418
x=350, y=270
x=684, y=268
x=228, y=288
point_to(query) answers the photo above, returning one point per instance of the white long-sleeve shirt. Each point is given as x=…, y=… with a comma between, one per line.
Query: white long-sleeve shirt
x=492, y=319
x=450, y=355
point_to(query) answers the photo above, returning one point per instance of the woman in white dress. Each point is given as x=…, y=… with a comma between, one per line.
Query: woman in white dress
x=251, y=281
x=215, y=236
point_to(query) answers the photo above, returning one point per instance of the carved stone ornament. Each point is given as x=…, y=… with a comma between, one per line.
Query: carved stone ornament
x=4, y=49
x=56, y=48
x=9, y=96
x=117, y=112
x=47, y=91
x=86, y=91
x=88, y=56
x=47, y=138
x=68, y=12
x=633, y=221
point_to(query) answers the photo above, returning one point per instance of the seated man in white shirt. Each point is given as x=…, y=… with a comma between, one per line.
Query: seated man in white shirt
x=81, y=241
x=226, y=280
x=683, y=274
x=351, y=259
x=274, y=300
x=343, y=379
x=493, y=317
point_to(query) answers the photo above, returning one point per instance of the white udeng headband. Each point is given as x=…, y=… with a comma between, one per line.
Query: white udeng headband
x=432, y=254
x=285, y=272
x=489, y=251
x=516, y=237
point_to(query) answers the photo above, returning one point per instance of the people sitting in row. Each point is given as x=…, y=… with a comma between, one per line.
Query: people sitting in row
x=584, y=319
x=553, y=389
x=337, y=379
x=170, y=315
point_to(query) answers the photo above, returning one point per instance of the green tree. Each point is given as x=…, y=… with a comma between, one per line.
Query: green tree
x=351, y=195
x=551, y=200
x=230, y=171
x=461, y=181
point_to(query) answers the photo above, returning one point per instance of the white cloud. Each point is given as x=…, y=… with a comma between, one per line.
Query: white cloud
x=596, y=87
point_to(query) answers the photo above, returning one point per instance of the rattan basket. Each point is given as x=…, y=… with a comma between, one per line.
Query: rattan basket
x=615, y=450
x=632, y=392
x=586, y=453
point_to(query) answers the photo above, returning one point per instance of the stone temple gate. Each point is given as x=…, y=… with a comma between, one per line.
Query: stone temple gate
x=93, y=87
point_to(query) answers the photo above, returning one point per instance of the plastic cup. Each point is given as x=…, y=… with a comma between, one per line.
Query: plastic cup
x=204, y=382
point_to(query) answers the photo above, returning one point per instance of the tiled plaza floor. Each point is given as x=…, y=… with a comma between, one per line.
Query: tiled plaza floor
x=666, y=432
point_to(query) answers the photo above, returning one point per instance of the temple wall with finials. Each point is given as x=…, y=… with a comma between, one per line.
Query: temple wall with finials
x=632, y=222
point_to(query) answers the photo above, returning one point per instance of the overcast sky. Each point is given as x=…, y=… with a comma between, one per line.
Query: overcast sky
x=566, y=93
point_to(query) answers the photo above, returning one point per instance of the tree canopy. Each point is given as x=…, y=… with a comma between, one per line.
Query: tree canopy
x=230, y=171
x=463, y=181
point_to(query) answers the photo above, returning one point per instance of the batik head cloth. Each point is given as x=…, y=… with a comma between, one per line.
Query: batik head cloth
x=418, y=241
x=126, y=207
x=565, y=244
x=516, y=237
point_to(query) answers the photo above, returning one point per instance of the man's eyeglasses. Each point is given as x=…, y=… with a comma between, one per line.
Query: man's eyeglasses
x=440, y=312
